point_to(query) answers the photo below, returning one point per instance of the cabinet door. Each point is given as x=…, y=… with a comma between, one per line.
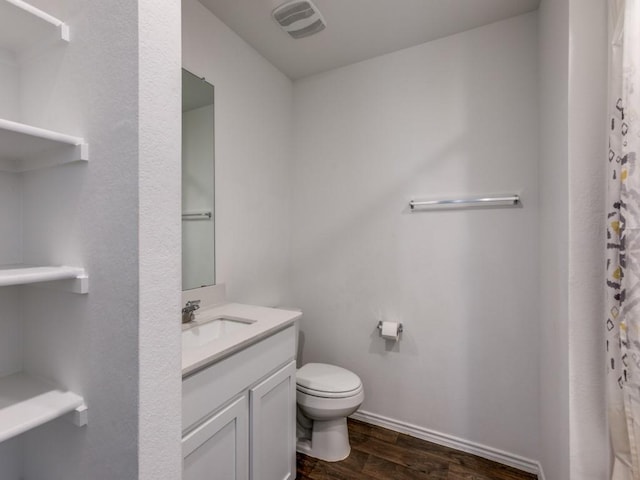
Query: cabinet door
x=219, y=448
x=273, y=427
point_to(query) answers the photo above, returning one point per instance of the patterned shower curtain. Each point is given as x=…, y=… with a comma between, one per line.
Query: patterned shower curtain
x=623, y=240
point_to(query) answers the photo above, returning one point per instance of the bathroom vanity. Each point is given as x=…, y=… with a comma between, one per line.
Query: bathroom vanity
x=239, y=394
x=238, y=361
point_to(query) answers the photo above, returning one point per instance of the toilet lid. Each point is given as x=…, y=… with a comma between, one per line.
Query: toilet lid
x=327, y=378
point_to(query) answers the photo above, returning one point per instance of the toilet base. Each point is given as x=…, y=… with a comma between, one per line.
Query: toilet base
x=329, y=441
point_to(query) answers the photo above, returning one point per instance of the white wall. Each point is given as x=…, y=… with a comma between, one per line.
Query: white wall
x=456, y=116
x=253, y=103
x=573, y=59
x=589, y=449
x=554, y=241
x=86, y=215
x=159, y=237
x=11, y=459
x=10, y=252
x=9, y=81
x=116, y=344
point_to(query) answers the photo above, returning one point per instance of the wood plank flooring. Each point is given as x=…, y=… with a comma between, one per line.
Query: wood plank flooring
x=381, y=454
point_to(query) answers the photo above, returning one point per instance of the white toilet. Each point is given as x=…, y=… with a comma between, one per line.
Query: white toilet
x=326, y=395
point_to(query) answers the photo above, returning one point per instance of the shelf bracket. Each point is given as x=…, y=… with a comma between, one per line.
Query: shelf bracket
x=78, y=417
x=79, y=285
x=56, y=156
x=65, y=34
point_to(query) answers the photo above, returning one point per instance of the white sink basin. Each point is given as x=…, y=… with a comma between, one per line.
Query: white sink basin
x=211, y=330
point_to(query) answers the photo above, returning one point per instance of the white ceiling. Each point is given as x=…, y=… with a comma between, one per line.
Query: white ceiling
x=357, y=29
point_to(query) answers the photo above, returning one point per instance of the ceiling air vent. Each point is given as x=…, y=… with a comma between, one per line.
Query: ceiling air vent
x=299, y=18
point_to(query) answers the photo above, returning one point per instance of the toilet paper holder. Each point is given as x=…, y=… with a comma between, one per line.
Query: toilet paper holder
x=400, y=327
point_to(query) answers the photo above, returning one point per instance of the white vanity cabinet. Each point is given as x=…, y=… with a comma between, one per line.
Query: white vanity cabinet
x=219, y=448
x=273, y=426
x=239, y=414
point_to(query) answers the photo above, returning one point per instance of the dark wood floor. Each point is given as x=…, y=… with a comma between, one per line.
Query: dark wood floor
x=381, y=454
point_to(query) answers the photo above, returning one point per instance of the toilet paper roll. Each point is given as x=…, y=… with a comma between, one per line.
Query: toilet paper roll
x=390, y=330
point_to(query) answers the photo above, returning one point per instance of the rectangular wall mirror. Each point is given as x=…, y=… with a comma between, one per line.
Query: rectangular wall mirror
x=198, y=181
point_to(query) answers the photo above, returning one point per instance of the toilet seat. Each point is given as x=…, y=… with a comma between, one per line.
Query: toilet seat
x=323, y=394
x=327, y=381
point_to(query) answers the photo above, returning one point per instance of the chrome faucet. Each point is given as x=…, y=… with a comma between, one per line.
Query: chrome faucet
x=188, y=311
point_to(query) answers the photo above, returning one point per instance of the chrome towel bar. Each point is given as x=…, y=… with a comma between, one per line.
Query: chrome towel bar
x=196, y=215
x=492, y=201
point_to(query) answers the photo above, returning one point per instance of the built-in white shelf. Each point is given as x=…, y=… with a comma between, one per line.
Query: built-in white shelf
x=22, y=25
x=27, y=402
x=23, y=147
x=73, y=279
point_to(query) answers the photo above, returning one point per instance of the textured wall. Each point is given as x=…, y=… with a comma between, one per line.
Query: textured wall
x=116, y=344
x=573, y=59
x=554, y=240
x=159, y=238
x=589, y=450
x=9, y=81
x=253, y=107
x=457, y=116
x=11, y=459
x=86, y=215
x=10, y=251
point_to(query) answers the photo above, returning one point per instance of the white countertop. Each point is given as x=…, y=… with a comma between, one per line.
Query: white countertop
x=267, y=321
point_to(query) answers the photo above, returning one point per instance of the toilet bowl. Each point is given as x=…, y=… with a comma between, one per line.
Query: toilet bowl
x=326, y=396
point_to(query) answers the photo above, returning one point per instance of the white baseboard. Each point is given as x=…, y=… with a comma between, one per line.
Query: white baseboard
x=505, y=458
